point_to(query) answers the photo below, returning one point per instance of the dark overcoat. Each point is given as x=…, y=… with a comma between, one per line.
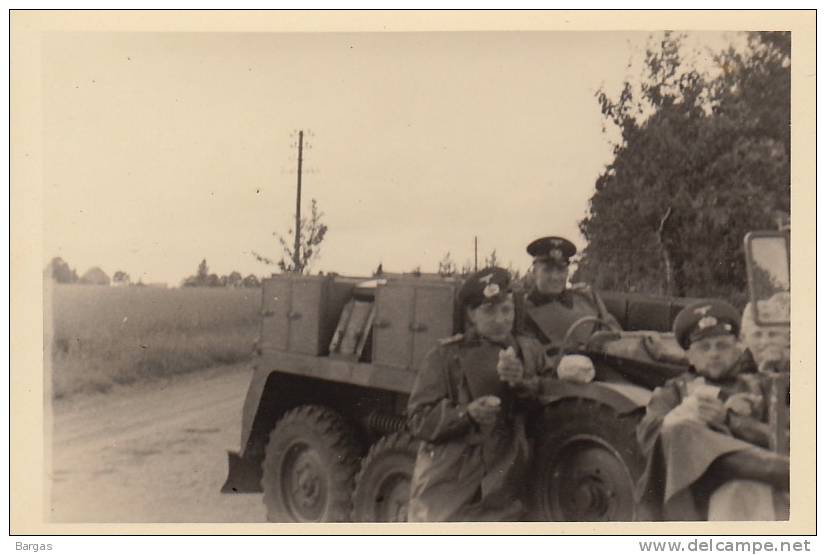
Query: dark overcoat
x=675, y=484
x=548, y=318
x=465, y=472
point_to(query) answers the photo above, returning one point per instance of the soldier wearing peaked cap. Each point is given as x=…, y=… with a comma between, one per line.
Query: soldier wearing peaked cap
x=466, y=407
x=551, y=306
x=705, y=319
x=488, y=286
x=705, y=434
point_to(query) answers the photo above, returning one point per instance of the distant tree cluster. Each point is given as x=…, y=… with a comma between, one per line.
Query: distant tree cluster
x=448, y=268
x=121, y=278
x=703, y=158
x=60, y=271
x=203, y=278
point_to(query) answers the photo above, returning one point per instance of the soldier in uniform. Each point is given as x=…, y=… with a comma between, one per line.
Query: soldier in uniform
x=551, y=307
x=768, y=345
x=465, y=407
x=704, y=433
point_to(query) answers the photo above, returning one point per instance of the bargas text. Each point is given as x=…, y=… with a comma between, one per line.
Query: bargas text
x=20, y=546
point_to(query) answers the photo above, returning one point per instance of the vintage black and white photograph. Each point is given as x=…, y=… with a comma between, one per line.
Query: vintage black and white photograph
x=425, y=276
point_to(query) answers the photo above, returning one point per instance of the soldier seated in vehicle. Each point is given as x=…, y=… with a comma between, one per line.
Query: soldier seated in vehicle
x=704, y=433
x=552, y=308
x=465, y=407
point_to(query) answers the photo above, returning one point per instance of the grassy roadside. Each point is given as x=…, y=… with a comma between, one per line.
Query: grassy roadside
x=101, y=337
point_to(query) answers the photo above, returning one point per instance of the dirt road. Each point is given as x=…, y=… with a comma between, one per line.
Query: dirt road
x=154, y=453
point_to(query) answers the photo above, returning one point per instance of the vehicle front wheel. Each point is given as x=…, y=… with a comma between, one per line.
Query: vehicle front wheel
x=587, y=464
x=309, y=467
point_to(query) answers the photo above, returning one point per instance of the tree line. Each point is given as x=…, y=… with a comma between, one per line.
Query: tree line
x=447, y=267
x=203, y=278
x=60, y=271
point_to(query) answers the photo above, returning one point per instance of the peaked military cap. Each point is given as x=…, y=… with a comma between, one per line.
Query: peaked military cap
x=705, y=319
x=554, y=249
x=485, y=286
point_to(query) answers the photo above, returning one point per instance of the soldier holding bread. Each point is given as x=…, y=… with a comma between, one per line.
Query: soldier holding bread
x=464, y=406
x=705, y=434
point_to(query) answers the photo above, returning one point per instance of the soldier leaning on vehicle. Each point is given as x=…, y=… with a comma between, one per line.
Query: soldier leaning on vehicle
x=551, y=307
x=704, y=433
x=465, y=407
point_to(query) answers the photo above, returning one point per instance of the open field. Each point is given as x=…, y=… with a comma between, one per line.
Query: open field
x=101, y=337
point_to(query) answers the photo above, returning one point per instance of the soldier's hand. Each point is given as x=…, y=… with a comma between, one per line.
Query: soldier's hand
x=484, y=410
x=711, y=411
x=509, y=367
x=773, y=366
x=702, y=410
x=742, y=403
x=686, y=411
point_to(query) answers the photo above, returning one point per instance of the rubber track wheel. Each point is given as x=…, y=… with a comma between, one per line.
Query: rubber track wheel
x=391, y=455
x=328, y=434
x=582, y=417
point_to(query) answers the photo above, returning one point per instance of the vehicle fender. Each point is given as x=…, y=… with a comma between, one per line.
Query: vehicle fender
x=252, y=403
x=244, y=467
x=622, y=397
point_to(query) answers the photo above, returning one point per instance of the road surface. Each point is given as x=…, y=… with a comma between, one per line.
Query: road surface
x=151, y=453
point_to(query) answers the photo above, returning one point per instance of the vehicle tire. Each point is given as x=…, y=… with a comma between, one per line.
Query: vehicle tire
x=587, y=463
x=309, y=467
x=383, y=484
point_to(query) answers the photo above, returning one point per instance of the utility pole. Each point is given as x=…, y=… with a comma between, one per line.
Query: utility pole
x=296, y=252
x=475, y=253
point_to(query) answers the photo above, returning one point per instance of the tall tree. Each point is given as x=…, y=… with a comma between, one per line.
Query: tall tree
x=201, y=277
x=311, y=233
x=203, y=273
x=702, y=159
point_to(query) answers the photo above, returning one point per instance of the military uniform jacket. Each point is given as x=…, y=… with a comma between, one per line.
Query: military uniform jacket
x=550, y=318
x=463, y=472
x=673, y=485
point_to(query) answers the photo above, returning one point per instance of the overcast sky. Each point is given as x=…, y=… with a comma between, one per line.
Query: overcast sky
x=165, y=148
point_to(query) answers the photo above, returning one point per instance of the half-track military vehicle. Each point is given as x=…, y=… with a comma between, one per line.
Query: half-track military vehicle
x=323, y=423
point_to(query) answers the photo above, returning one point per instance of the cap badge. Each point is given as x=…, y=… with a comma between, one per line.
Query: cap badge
x=491, y=290
x=707, y=322
x=702, y=310
x=556, y=254
x=555, y=242
x=486, y=279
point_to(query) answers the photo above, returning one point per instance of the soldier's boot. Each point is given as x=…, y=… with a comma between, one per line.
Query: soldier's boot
x=754, y=464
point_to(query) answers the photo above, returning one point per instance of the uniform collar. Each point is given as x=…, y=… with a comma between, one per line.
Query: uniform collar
x=538, y=298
